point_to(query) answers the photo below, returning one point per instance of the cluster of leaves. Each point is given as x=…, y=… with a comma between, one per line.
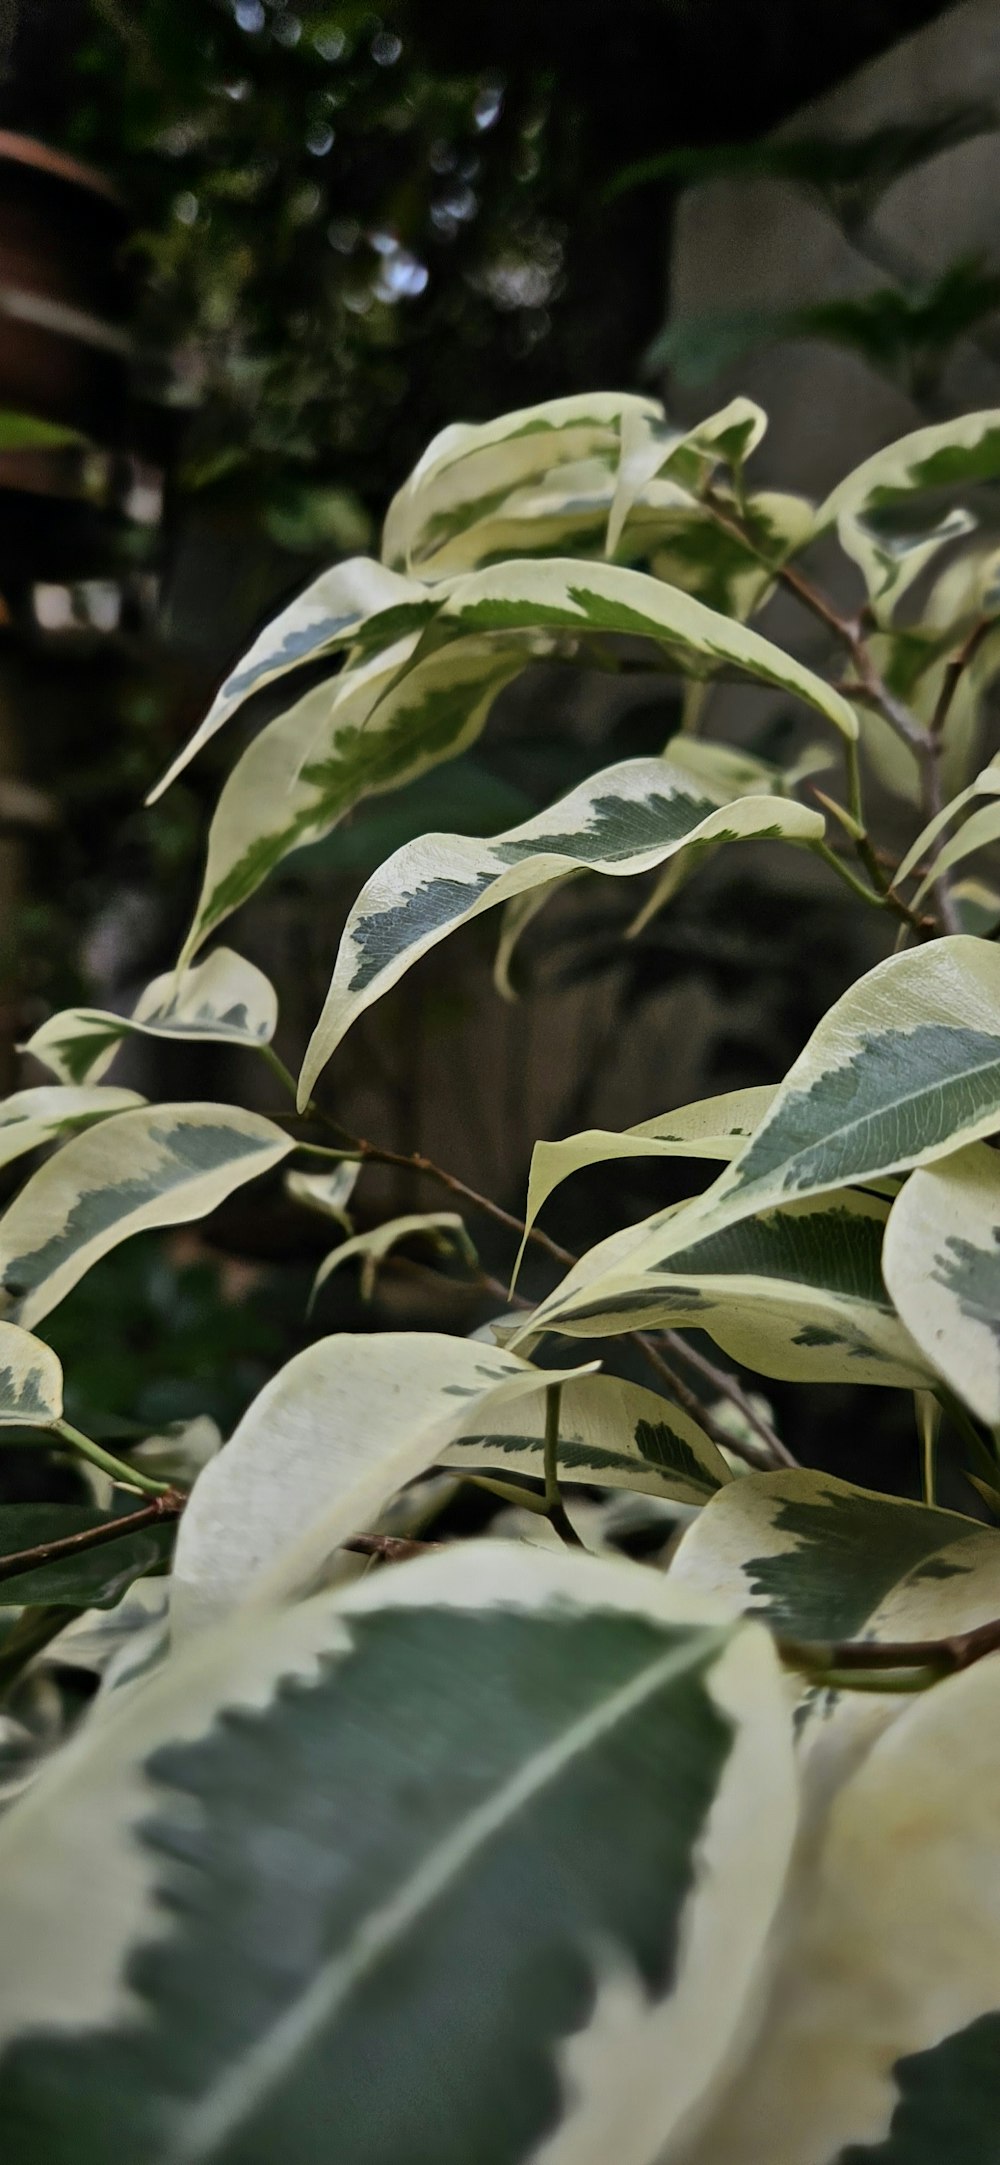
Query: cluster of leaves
x=660, y=1823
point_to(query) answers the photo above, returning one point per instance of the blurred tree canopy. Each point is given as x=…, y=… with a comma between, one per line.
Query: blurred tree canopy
x=355, y=224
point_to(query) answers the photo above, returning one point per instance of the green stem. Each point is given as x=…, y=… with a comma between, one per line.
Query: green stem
x=127, y=1476
x=278, y=1069
x=851, y=879
x=852, y=762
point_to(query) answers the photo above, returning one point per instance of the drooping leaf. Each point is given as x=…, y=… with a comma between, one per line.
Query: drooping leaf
x=715, y=1127
x=623, y=821
x=879, y=2043
x=903, y=1069
x=942, y=1267
x=328, y=617
x=380, y=725
x=444, y=1230
x=321, y=1450
x=31, y=1380
x=796, y=1293
x=468, y=474
x=818, y=1559
x=650, y=447
x=986, y=784
x=980, y=830
x=612, y=1434
x=31, y=1118
x=160, y=1165
x=560, y=594
x=949, y=454
x=326, y=1193
x=224, y=999
x=90, y=1578
x=473, y=1965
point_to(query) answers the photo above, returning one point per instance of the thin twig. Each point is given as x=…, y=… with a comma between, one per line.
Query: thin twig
x=943, y=1657
x=389, y=1548
x=737, y=1396
x=955, y=671
x=168, y=1506
x=724, y=1384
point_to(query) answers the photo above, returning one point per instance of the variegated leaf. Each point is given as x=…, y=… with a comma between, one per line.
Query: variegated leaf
x=986, y=784
x=381, y=724
x=31, y=1380
x=468, y=474
x=612, y=1434
x=331, y=615
x=161, y=1165
x=32, y=1118
x=866, y=507
x=559, y=594
x=796, y=1293
x=892, y=556
x=623, y=821
x=224, y=999
x=978, y=832
x=324, y=1446
x=901, y=1070
x=942, y=1267
x=710, y=1128
x=444, y=1230
x=326, y=1193
x=212, y=1952
x=818, y=1559
x=879, y=2042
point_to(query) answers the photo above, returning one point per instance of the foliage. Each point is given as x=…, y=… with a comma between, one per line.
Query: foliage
x=660, y=1821
x=906, y=327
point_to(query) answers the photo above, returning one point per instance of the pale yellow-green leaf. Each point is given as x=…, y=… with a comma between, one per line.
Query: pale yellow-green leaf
x=323, y=620
x=32, y=1118
x=978, y=832
x=948, y=454
x=560, y=594
x=625, y=820
x=326, y=1193
x=986, y=784
x=713, y=1127
x=942, y=1267
x=516, y=916
x=159, y=1165
x=795, y=1293
x=382, y=723
x=903, y=1069
x=224, y=999
x=469, y=471
x=444, y=1230
x=320, y=1452
x=818, y=1559
x=612, y=1434
x=878, y=2038
x=31, y=1380
x=638, y=1699
x=650, y=447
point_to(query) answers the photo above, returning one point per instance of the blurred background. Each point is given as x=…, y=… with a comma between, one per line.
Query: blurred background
x=254, y=253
